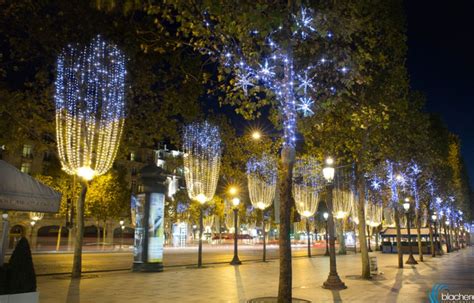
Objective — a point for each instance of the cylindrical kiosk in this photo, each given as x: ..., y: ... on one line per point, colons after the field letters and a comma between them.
x: 149, y: 220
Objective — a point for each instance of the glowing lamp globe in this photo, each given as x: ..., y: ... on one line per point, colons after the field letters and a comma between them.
x: 256, y: 135
x: 433, y: 217
x: 85, y: 173
x: 235, y: 201
x: 406, y: 206
x: 326, y: 216
x: 201, y: 198
x: 328, y: 173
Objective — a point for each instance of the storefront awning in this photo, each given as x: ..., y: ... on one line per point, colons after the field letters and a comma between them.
x: 21, y: 192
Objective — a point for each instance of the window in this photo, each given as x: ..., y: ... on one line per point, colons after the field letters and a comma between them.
x: 132, y: 156
x: 134, y: 186
x: 27, y: 151
x: 26, y: 168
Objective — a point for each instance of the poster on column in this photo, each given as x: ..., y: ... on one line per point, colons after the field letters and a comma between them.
x: 156, y: 237
x: 138, y: 213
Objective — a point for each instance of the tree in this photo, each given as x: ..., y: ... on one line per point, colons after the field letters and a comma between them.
x: 108, y: 198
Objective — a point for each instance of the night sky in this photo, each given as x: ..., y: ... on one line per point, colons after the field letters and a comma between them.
x: 441, y: 64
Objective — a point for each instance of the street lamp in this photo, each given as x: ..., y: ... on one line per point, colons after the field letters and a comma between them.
x: 256, y: 135
x: 333, y: 281
x: 326, y: 215
x: 406, y: 206
x: 235, y: 203
x: 122, y: 227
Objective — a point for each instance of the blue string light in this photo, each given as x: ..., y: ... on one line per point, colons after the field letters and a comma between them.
x: 278, y: 72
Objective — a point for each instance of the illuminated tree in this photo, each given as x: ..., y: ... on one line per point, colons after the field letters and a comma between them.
x: 281, y: 66
x: 262, y: 180
x: 202, y: 160
x: 308, y: 181
x: 90, y: 112
x: 343, y: 200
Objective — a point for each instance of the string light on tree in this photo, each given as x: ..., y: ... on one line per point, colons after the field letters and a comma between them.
x: 262, y: 179
x: 90, y: 108
x: 202, y: 149
x: 307, y: 183
x: 276, y: 70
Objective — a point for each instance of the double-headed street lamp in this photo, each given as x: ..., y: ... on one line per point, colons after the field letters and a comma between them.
x: 333, y: 281
x: 326, y: 215
x: 407, y: 206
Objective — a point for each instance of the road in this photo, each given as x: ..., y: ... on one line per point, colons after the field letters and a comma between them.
x: 53, y: 263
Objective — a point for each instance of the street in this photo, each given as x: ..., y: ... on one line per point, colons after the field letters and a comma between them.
x: 53, y: 263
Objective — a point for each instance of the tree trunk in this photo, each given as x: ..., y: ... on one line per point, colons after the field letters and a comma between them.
x: 98, y: 234
x: 342, y: 240
x: 104, y: 233
x: 432, y: 242
x: 355, y: 238
x: 364, y: 253
x: 58, y: 241
x: 285, y: 179
x: 418, y: 231
x: 77, y: 260
x: 399, y: 238
x: 377, y: 246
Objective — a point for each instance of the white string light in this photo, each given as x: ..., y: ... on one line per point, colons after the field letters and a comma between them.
x: 90, y: 107
x: 202, y: 160
x: 343, y: 193
x: 262, y: 179
x: 308, y: 181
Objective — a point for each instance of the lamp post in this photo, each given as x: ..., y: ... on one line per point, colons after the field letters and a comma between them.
x: 235, y: 203
x: 326, y: 215
x: 406, y: 206
x: 121, y: 233
x: 333, y: 281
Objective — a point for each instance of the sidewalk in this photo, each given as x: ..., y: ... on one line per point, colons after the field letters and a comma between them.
x: 225, y: 283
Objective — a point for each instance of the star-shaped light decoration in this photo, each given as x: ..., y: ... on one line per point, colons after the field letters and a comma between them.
x: 244, y: 81
x: 266, y: 71
x: 305, y: 82
x: 376, y: 183
x: 304, y: 106
x: 304, y: 23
